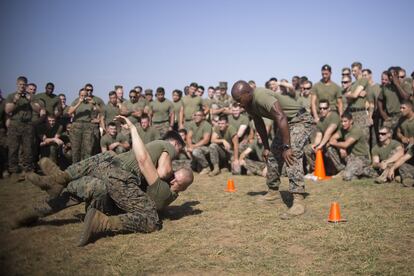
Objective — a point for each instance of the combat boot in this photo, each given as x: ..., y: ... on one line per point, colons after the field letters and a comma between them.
x: 407, y: 182
x: 383, y: 177
x: 97, y: 222
x: 271, y: 195
x: 48, y: 167
x: 52, y: 184
x: 297, y: 209
x: 215, y: 171
x: 205, y: 171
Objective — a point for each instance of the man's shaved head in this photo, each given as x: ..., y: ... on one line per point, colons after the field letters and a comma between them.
x: 242, y: 92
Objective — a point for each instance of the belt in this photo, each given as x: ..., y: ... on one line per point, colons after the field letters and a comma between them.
x: 300, y: 112
x: 355, y: 109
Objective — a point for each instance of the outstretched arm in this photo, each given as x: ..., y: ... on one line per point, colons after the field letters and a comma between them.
x: 141, y: 154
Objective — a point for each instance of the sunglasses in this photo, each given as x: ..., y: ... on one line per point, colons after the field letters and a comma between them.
x: 401, y: 77
x: 382, y: 133
x: 345, y: 82
x: 132, y: 97
x: 307, y: 88
x: 323, y: 108
x: 89, y: 90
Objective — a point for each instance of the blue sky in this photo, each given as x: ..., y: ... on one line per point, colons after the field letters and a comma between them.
x: 172, y: 43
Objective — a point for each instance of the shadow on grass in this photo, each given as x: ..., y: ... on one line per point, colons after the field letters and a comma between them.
x: 178, y: 212
x: 55, y: 222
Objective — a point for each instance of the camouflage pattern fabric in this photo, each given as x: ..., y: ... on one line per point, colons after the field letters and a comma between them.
x: 82, y: 137
x: 20, y: 136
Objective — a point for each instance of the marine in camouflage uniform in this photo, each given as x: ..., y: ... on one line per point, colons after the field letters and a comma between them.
x: 357, y: 159
x: 357, y: 105
x: 82, y: 134
x: 162, y: 112
x: 293, y: 124
x: 20, y: 131
x: 3, y: 137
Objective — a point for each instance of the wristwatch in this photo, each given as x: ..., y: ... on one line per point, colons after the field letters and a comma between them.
x: 285, y: 147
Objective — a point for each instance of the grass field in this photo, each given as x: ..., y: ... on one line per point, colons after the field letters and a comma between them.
x: 209, y: 231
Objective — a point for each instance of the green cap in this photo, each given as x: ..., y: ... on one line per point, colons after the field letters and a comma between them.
x: 148, y: 91
x: 223, y: 84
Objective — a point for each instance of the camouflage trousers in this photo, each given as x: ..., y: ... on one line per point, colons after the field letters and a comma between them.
x: 358, y: 166
x: 360, y: 120
x: 329, y: 154
x: 406, y: 171
x: 82, y: 140
x: 300, y: 131
x: 3, y: 150
x: 181, y: 163
x: 218, y: 154
x: 20, y: 136
x: 162, y: 127
x: 392, y: 122
x: 200, y: 156
x: 138, y: 210
x: 255, y: 167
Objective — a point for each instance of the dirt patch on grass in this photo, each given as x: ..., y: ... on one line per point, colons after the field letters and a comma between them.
x: 209, y: 231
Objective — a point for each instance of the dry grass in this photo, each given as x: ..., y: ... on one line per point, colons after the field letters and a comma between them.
x: 209, y: 231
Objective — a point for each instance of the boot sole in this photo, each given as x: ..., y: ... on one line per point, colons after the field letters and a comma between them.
x: 86, y: 233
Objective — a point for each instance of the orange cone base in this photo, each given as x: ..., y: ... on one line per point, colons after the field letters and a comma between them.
x: 323, y: 178
x: 230, y: 190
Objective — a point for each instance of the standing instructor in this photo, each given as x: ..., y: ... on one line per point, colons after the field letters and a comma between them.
x: 292, y: 127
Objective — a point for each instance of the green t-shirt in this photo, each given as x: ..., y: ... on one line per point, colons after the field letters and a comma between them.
x: 161, y: 194
x: 84, y: 113
x: 110, y: 111
x: 257, y: 150
x: 133, y: 107
x: 289, y: 105
x: 154, y: 148
x: 264, y: 99
x: 330, y: 92
x: 23, y: 111
x: 98, y: 101
x: 237, y: 122
x: 107, y: 139
x: 324, y: 123
x: 407, y: 127
x: 176, y: 107
x: 262, y: 103
x: 384, y: 152
x: 199, y: 130
x: 360, y: 101
x: 373, y: 93
x: 389, y: 96
x: 161, y: 110
x: 224, y: 101
x: 227, y: 135
x: 191, y: 105
x: 50, y: 102
x: 360, y: 146
x: 149, y: 134
x: 305, y: 102
x: 207, y: 102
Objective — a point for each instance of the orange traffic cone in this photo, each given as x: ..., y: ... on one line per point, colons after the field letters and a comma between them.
x: 335, y: 214
x: 230, y: 186
x: 320, y: 167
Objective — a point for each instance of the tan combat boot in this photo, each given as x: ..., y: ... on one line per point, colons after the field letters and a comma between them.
x: 97, y: 222
x: 48, y: 167
x: 297, y: 209
x: 383, y: 177
x: 205, y: 171
x: 52, y: 184
x: 215, y: 171
x: 271, y: 195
